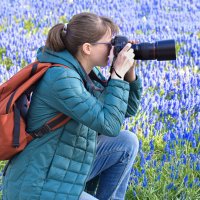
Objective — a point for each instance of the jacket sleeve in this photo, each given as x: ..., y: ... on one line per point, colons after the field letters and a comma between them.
x: 68, y: 95
x: 134, y: 97
x: 134, y: 94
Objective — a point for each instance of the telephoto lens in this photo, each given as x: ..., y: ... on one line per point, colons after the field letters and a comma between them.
x: 160, y: 50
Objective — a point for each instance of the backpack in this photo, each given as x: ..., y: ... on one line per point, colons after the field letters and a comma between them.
x: 15, y: 97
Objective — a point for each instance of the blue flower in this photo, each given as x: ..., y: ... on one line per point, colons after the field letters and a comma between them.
x: 184, y: 159
x: 142, y: 159
x: 136, y: 181
x: 186, y: 180
x: 158, y: 177
x: 198, y: 166
x: 134, y: 193
x: 145, y: 182
x: 164, y: 158
x: 170, y: 186
x: 151, y: 143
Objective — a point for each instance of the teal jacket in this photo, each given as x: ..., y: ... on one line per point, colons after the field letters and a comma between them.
x: 56, y: 166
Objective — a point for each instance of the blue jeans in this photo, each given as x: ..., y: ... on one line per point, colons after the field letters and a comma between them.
x: 113, y: 162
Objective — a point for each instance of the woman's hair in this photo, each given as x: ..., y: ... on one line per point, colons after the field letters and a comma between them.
x: 82, y: 28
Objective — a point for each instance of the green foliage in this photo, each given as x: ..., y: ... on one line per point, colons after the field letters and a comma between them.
x: 46, y: 30
x: 23, y: 63
x: 6, y: 61
x: 16, y: 20
x: 2, y: 51
x: 172, y: 171
x: 4, y: 24
x: 62, y: 19
x: 2, y: 27
x: 139, y: 32
x: 2, y: 164
x: 28, y: 25
x: 178, y: 47
x: 198, y: 35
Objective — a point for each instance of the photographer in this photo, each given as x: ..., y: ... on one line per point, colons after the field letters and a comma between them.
x: 58, y: 165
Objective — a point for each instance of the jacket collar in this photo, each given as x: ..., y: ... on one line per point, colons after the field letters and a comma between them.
x: 65, y: 58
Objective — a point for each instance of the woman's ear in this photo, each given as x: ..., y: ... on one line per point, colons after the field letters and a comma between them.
x: 86, y: 48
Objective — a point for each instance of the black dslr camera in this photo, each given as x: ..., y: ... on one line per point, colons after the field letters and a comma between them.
x: 160, y: 50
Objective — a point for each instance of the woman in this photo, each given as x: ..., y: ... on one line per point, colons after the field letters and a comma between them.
x: 58, y: 165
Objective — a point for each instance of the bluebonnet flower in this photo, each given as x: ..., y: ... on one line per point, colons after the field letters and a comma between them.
x: 167, y: 147
x: 196, y: 181
x: 176, y: 175
x: 151, y: 143
x: 173, y: 85
x: 126, y: 127
x: 146, y: 132
x: 142, y: 159
x: 165, y: 137
x: 172, y: 176
x: 198, y: 166
x: 184, y: 159
x: 143, y: 171
x: 186, y: 180
x: 158, y: 177
x: 134, y: 129
x: 149, y: 156
x: 137, y: 173
x: 154, y: 163
x: 193, y: 157
x: 190, y: 185
x: 164, y: 158
x: 136, y: 181
x: 140, y: 144
x: 182, y: 143
x: 170, y: 186
x: 145, y: 181
x: 172, y: 136
x: 194, y: 144
x: 134, y: 193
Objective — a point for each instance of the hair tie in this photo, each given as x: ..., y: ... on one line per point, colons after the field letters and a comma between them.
x: 65, y: 28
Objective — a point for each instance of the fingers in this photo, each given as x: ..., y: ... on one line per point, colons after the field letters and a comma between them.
x: 125, y: 59
x: 134, y: 41
x: 126, y: 48
x: 130, y: 50
x: 130, y: 57
x: 130, y: 54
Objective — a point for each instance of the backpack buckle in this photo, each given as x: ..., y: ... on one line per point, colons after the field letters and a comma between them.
x: 40, y: 132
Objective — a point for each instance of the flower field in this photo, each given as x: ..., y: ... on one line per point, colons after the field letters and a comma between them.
x: 168, y: 120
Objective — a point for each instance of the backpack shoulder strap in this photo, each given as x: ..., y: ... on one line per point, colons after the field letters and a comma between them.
x: 25, y: 80
x: 51, y: 125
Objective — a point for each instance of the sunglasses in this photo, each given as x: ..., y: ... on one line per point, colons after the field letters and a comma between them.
x: 106, y: 43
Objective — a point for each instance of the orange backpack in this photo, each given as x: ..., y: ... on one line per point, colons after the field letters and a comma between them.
x: 14, y: 103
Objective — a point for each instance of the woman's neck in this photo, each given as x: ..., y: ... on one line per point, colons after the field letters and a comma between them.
x: 84, y: 63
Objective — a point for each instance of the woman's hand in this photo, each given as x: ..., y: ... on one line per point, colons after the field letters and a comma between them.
x: 130, y: 75
x: 123, y: 62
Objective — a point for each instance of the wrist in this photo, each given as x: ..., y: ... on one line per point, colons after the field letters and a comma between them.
x: 115, y: 74
x: 130, y: 78
x: 130, y: 75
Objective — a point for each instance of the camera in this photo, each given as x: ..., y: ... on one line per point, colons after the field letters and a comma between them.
x: 160, y: 50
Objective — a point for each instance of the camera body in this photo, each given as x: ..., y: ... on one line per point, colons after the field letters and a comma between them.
x: 160, y: 50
